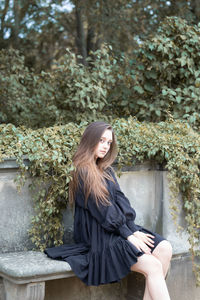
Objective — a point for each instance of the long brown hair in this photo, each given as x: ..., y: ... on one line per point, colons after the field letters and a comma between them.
x: 90, y: 171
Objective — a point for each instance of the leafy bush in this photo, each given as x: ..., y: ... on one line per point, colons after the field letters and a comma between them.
x: 83, y: 89
x: 70, y: 92
x: 163, y: 76
x: 24, y: 95
x: 173, y: 144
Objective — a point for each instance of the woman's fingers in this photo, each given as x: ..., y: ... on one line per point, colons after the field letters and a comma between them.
x: 142, y: 246
x: 139, y: 244
x: 149, y: 241
x: 145, y: 237
x: 146, y: 249
x: 149, y: 235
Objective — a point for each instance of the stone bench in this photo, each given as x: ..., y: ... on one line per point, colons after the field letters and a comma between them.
x: 24, y: 274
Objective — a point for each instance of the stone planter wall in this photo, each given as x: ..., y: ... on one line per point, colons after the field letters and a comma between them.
x: 146, y: 186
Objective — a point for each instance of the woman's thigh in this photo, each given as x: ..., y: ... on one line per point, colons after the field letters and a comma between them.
x: 147, y: 264
x: 163, y: 248
x: 163, y: 252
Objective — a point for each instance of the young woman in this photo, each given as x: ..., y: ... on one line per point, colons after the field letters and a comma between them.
x: 108, y: 244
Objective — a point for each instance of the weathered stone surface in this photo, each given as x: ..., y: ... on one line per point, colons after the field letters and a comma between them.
x: 10, y: 163
x: 179, y: 240
x: 64, y: 289
x: 32, y: 291
x: 135, y: 286
x: 181, y: 282
x: 2, y: 290
x: 17, y: 212
x: 110, y: 291
x: 32, y: 264
x: 75, y: 289
x: 144, y: 190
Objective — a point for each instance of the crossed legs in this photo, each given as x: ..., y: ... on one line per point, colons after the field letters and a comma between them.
x: 154, y: 267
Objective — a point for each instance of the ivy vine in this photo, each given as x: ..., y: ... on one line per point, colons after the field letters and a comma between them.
x: 173, y: 144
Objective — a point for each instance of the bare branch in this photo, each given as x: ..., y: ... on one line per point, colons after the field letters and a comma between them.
x: 80, y: 40
x: 4, y: 12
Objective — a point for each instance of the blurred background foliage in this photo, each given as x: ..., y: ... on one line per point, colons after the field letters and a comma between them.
x: 157, y: 76
x: 42, y: 29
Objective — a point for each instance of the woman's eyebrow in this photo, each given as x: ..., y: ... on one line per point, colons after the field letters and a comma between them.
x: 103, y: 137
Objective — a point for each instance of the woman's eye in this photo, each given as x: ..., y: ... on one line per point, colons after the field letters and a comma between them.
x: 104, y: 141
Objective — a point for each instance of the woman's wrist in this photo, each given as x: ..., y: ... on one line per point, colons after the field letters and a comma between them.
x: 135, y: 232
x: 129, y: 237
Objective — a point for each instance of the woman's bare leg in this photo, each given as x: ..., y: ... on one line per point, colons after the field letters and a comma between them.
x: 152, y: 268
x: 163, y: 252
x: 147, y: 295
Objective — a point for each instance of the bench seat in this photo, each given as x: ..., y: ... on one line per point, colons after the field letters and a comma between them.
x: 24, y: 274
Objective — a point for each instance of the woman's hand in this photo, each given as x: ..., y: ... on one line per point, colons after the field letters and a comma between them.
x: 145, y: 237
x: 139, y: 244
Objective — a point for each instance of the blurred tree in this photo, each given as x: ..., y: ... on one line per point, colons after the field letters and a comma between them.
x: 42, y: 30
x: 72, y: 92
x: 161, y: 78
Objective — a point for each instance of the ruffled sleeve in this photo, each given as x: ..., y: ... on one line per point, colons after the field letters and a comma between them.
x: 125, y: 206
x: 111, y: 218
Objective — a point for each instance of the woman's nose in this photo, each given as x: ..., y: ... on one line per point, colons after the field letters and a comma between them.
x: 105, y: 146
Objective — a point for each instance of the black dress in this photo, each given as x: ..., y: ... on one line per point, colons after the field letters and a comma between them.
x: 101, y: 253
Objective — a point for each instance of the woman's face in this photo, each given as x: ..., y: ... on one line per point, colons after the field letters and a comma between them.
x: 103, y: 146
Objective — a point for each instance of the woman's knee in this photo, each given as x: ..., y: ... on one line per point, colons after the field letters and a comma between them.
x: 147, y: 264
x: 163, y: 249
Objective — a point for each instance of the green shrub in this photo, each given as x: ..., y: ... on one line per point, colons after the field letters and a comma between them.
x: 24, y: 95
x: 163, y: 75
x: 70, y: 92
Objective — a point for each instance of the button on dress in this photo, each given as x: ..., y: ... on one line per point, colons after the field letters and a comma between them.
x: 101, y: 253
